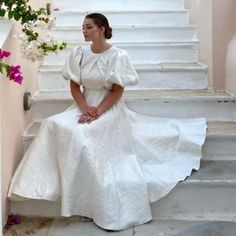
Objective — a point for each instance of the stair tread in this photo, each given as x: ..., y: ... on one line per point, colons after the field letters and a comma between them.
x: 72, y: 44
x: 155, y: 66
x: 210, y: 170
x: 64, y: 28
x: 138, y: 94
x: 123, y: 11
x: 214, y: 128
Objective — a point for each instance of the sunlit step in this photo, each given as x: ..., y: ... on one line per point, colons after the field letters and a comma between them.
x: 132, y: 17
x: 214, y: 106
x: 102, y: 5
x: 142, y: 53
x: 152, y: 76
x: 219, y: 144
x: 208, y: 194
x: 134, y: 34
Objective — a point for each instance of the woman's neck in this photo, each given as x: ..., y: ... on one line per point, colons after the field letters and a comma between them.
x: 100, y: 46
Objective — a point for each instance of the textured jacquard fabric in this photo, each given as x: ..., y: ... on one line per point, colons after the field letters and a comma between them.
x: 111, y: 169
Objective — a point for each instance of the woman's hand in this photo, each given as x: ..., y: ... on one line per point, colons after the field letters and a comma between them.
x: 86, y: 119
x: 92, y: 111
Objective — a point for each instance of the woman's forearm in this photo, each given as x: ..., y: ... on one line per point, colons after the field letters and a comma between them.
x: 78, y: 96
x: 110, y: 99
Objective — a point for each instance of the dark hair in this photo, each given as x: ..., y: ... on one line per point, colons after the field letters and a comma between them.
x: 100, y: 20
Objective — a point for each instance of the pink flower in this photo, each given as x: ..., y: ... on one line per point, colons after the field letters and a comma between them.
x: 15, y: 69
x: 4, y: 53
x: 56, y: 9
x: 19, y: 79
x: 13, y: 219
x: 15, y: 74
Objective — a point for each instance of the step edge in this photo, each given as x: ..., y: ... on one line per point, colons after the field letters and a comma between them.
x: 125, y: 11
x: 117, y: 27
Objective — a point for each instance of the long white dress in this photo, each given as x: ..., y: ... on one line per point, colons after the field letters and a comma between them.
x: 111, y: 169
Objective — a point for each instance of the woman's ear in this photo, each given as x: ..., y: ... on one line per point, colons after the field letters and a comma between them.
x: 102, y: 29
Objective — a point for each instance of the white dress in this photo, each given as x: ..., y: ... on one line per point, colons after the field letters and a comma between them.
x: 111, y: 169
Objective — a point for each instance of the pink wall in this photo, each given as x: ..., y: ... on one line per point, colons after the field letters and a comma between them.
x: 224, y: 19
x: 215, y: 21
x: 14, y: 118
x: 230, y: 70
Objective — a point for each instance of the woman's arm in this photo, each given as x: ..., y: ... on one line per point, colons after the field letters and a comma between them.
x: 80, y: 100
x: 114, y: 95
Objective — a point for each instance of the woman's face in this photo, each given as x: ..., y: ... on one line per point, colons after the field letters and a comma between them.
x: 91, y: 31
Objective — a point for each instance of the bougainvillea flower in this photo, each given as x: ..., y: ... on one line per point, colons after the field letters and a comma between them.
x: 18, y: 79
x: 15, y: 69
x: 15, y: 74
x: 4, y: 53
x: 13, y: 219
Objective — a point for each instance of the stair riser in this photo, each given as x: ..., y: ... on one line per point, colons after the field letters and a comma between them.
x: 179, y: 108
x: 220, y: 147
x: 128, y: 18
x: 190, y: 201
x: 198, y: 201
x: 143, y: 54
x: 216, y: 147
x: 97, y: 6
x: 132, y: 34
x: 53, y: 81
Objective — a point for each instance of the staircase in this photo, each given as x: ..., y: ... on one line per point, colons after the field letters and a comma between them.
x: 164, y: 50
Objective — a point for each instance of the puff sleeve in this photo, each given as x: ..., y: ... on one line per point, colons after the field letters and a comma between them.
x: 71, y: 69
x: 120, y: 70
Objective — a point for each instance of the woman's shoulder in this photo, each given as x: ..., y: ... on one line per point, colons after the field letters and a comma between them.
x: 119, y: 52
x: 77, y: 51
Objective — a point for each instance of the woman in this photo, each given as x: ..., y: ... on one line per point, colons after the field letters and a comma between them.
x: 98, y: 158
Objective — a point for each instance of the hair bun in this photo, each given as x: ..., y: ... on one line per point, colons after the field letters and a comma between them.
x: 108, y: 32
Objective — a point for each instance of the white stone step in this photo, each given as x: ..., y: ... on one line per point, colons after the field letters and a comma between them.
x: 208, y: 194
x: 219, y: 144
x: 75, y: 226
x: 215, y: 106
x: 152, y: 76
x: 101, y: 5
x: 142, y: 52
x: 220, y: 141
x: 136, y: 34
x: 124, y: 17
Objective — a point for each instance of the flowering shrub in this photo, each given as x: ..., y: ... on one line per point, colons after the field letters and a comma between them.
x: 12, y: 219
x: 36, y: 42
x: 13, y: 72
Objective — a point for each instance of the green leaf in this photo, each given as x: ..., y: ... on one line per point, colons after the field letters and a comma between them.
x: 17, y: 16
x: 7, y: 70
x: 1, y: 67
x: 10, y: 14
x: 2, y: 12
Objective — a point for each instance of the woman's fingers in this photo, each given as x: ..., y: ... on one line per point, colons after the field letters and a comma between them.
x: 83, y: 119
x: 86, y: 119
x: 90, y: 120
x: 92, y: 111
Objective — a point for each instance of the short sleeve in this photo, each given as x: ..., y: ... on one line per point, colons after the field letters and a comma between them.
x: 71, y: 69
x: 120, y: 70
